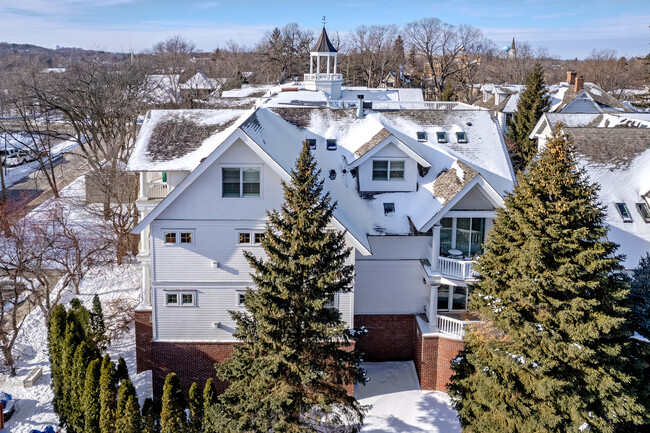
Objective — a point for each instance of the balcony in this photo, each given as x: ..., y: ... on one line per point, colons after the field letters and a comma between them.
x: 156, y: 190
x: 153, y: 186
x: 450, y: 323
x: 323, y: 77
x: 456, y: 268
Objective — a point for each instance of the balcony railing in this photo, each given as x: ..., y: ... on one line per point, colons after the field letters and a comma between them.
x: 157, y: 190
x: 456, y: 268
x: 324, y: 77
x: 449, y: 325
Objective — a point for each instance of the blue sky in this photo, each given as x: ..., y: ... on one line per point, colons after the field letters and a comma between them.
x: 567, y: 28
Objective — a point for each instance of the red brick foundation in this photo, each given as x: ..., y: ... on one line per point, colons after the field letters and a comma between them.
x: 433, y: 355
x: 389, y: 337
x: 143, y: 339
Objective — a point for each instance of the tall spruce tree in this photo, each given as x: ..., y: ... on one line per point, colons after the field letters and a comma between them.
x: 107, y: 396
x: 91, y: 397
x: 295, y: 360
x: 553, y: 351
x: 172, y: 414
x: 195, y: 406
x: 640, y: 297
x: 532, y: 103
x: 127, y: 413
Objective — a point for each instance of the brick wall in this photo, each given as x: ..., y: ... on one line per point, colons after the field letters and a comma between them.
x: 143, y: 338
x: 447, y: 350
x: 432, y: 360
x: 390, y: 337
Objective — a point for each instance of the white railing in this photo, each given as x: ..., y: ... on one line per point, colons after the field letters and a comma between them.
x: 449, y: 325
x: 324, y: 77
x: 456, y: 268
x: 421, y: 105
x: 157, y: 190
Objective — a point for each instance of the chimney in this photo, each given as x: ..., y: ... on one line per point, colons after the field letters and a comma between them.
x: 360, y: 107
x: 571, y: 77
x: 580, y: 83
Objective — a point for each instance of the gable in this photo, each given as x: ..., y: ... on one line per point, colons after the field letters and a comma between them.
x: 474, y: 199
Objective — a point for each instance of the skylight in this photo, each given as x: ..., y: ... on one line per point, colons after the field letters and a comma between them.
x: 331, y: 144
x: 461, y: 137
x: 389, y: 208
x: 644, y: 211
x: 624, y: 212
x: 312, y: 143
x: 422, y: 136
x: 441, y: 136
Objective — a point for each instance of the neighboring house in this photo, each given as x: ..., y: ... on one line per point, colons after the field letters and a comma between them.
x: 613, y: 150
x: 572, y: 96
x: 416, y: 190
x: 162, y: 89
x: 389, y: 80
x: 200, y: 87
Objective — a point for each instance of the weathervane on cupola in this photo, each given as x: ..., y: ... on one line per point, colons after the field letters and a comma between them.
x: 322, y: 58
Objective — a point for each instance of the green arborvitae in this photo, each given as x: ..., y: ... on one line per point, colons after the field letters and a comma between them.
x: 97, y: 326
x: 56, y: 324
x: 107, y: 396
x: 195, y: 405
x: 640, y: 298
x: 150, y: 417
x: 73, y: 337
x: 122, y: 370
x: 209, y: 400
x: 91, y: 397
x: 128, y: 410
x: 553, y: 351
x: 172, y: 414
x: 295, y: 358
x: 82, y: 357
x: 532, y: 103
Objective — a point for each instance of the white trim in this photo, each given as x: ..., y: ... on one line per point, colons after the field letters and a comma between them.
x: 179, y: 297
x: 178, y: 233
x: 242, y: 167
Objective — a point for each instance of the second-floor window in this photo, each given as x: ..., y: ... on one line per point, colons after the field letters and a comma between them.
x: 240, y: 182
x: 463, y: 234
x: 387, y: 170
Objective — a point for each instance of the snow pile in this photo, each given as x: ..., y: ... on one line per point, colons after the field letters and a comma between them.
x: 398, y: 405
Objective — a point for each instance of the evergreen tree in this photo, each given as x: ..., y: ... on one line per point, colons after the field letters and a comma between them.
x: 73, y: 337
x: 172, y: 414
x: 128, y: 410
x: 122, y: 370
x: 448, y: 94
x: 107, y: 396
x: 56, y: 325
x: 195, y: 405
x: 91, y: 397
x: 97, y: 326
x: 640, y: 298
x: 553, y: 351
x: 532, y: 103
x: 150, y: 417
x: 209, y: 400
x: 295, y: 359
x: 82, y: 357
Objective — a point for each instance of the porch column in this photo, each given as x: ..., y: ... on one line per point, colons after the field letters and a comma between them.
x: 146, y: 285
x: 433, y: 308
x: 335, y: 64
x: 318, y: 64
x: 143, y: 185
x: 435, y: 248
x: 311, y: 64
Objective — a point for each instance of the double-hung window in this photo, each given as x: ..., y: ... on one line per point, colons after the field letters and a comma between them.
x: 183, y: 299
x: 387, y: 170
x: 175, y: 237
x: 250, y: 237
x: 240, y: 182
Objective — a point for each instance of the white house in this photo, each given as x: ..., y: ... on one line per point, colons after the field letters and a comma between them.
x: 416, y: 190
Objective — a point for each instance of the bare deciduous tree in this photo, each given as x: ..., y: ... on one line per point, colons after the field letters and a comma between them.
x: 371, y: 53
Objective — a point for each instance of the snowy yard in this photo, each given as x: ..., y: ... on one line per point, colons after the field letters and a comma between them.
x: 398, y: 405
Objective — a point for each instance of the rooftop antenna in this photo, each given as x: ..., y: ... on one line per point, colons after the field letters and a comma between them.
x: 324, y: 21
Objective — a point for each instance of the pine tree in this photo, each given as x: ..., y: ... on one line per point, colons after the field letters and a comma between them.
x: 91, y: 397
x: 195, y: 405
x: 640, y: 298
x: 532, y: 103
x: 122, y: 370
x: 128, y: 410
x: 97, y: 325
x: 295, y: 358
x: 172, y: 414
x: 553, y: 351
x: 209, y: 400
x: 107, y: 396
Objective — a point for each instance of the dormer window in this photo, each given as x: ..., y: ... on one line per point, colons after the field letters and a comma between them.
x: 389, y: 208
x: 331, y: 144
x: 624, y: 212
x: 387, y: 170
x: 461, y: 137
x: 644, y: 211
x: 422, y: 136
x: 312, y: 143
x: 442, y: 137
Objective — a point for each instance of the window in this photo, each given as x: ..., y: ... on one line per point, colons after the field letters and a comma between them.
x: 331, y: 302
x: 387, y: 170
x: 186, y: 237
x: 312, y: 143
x: 240, y: 182
x: 441, y: 136
x: 461, y: 137
x: 185, y: 299
x: 172, y: 299
x: 258, y: 238
x: 644, y: 211
x: 422, y: 136
x: 452, y: 298
x: 464, y: 234
x: 240, y: 299
x: 389, y: 208
x: 244, y: 238
x: 250, y: 237
x: 331, y: 144
x: 624, y: 212
x: 170, y: 237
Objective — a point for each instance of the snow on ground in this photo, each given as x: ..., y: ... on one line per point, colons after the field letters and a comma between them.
x: 111, y: 282
x: 398, y: 405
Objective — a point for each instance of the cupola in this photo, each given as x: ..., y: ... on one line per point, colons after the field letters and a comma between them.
x: 322, y: 68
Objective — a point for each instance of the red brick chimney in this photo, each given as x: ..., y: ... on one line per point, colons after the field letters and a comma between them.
x: 571, y: 77
x: 580, y: 83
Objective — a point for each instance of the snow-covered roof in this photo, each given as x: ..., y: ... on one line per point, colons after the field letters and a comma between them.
x: 247, y: 91
x: 199, y: 81
x: 162, y: 88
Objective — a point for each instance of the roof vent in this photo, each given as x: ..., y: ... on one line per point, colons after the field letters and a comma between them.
x: 332, y: 174
x: 469, y: 124
x: 360, y: 107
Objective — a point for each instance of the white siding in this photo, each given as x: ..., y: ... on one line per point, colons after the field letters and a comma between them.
x: 474, y: 199
x: 581, y: 105
x: 389, y: 152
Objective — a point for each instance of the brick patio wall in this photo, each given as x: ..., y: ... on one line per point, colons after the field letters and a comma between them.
x: 390, y: 337
x: 143, y: 338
